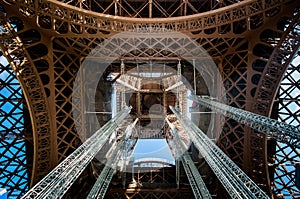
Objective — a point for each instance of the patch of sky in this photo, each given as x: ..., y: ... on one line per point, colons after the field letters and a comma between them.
x: 14, y: 174
x: 153, y: 149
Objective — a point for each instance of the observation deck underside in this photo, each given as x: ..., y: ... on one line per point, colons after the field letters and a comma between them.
x: 149, y: 55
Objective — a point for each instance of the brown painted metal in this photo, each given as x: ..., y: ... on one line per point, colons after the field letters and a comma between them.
x: 236, y: 36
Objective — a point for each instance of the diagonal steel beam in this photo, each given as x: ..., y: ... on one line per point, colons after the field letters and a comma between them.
x: 234, y: 180
x: 278, y: 130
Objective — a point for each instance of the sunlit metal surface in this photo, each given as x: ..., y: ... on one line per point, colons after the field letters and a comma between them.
x: 196, y: 182
x: 281, y: 131
x: 236, y: 182
x: 101, y: 185
x: 59, y: 180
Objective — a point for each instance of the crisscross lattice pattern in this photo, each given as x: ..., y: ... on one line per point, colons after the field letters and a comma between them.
x: 289, y: 110
x: 13, y: 162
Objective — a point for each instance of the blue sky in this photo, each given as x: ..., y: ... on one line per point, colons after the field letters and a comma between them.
x: 14, y: 176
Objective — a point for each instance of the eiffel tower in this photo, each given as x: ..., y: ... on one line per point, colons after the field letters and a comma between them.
x: 150, y: 99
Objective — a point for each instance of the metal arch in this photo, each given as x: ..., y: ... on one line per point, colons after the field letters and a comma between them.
x: 272, y: 75
x: 125, y: 8
x: 287, y: 157
x: 76, y: 35
x: 277, y: 64
x: 34, y: 95
x: 61, y: 13
x: 14, y: 134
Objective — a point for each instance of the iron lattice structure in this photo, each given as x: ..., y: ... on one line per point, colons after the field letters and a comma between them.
x: 252, y: 42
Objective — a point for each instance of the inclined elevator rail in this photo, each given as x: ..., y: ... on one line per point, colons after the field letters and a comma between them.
x: 278, y: 130
x: 196, y: 182
x: 100, y: 187
x: 60, y: 179
x: 235, y: 181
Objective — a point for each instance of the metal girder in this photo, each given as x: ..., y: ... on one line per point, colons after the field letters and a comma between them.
x: 56, y: 15
x: 278, y: 130
x: 235, y: 181
x: 59, y: 180
x: 100, y: 187
x: 277, y: 63
x: 196, y: 182
x: 21, y: 63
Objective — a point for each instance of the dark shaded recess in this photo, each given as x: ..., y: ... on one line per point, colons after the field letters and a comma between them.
x: 47, y: 91
x: 3, y: 10
x: 61, y: 26
x: 283, y: 23
x: 30, y: 36
x: 255, y: 79
x: 244, y: 46
x: 196, y: 32
x: 253, y: 91
x: 256, y: 21
x: 222, y: 46
x: 240, y: 26
x: 104, y: 32
x: 262, y: 50
x: 92, y: 30
x: 17, y: 23
x: 270, y: 36
x: 41, y: 65
x: 77, y: 29
x: 44, y: 21
x: 241, y: 84
x: 37, y: 51
x: 103, y: 98
x: 45, y: 79
x: 224, y: 29
x: 273, y: 12
x: 259, y: 65
x: 234, y: 92
x: 210, y: 31
x: 241, y: 100
x: 59, y: 44
x: 234, y: 76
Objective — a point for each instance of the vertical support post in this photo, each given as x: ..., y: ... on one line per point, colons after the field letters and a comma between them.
x: 138, y: 104
x: 185, y: 7
x: 82, y: 104
x: 195, y: 83
x: 150, y: 8
x: 165, y: 102
x: 178, y: 79
x: 116, y: 7
x: 123, y: 87
x: 177, y: 164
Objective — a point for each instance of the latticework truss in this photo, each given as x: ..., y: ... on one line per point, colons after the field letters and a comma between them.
x: 251, y: 42
x: 287, y: 157
x: 16, y: 138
